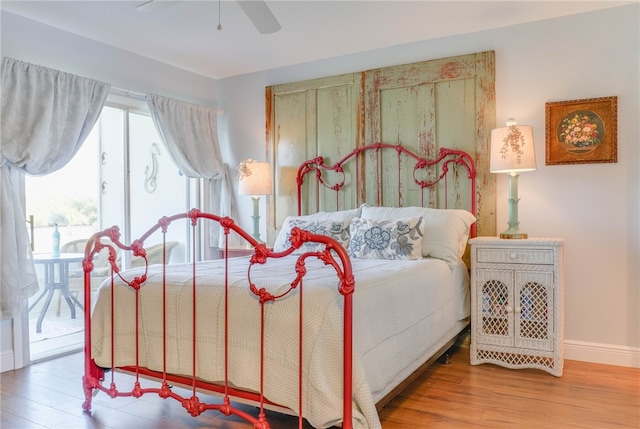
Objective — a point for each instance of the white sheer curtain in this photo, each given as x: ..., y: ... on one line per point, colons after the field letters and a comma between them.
x: 46, y: 116
x: 190, y: 133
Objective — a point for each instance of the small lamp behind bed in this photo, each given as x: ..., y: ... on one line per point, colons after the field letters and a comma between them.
x: 512, y: 151
x: 255, y: 180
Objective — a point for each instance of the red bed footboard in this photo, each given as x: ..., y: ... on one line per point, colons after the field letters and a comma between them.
x: 96, y: 378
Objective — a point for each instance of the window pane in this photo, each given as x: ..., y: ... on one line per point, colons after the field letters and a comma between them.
x: 157, y: 186
x: 67, y: 197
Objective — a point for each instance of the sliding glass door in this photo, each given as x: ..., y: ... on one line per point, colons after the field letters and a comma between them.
x: 66, y: 202
x: 121, y: 176
x: 138, y: 181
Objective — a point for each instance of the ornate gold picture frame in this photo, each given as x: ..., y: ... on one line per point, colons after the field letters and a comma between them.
x: 582, y: 131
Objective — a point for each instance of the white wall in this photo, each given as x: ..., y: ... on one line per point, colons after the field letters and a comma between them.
x: 596, y: 208
x: 31, y: 41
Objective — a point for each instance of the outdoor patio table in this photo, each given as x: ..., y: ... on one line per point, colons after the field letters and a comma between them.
x: 51, y: 283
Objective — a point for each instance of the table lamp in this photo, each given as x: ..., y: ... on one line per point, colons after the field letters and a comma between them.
x: 512, y: 151
x: 255, y: 180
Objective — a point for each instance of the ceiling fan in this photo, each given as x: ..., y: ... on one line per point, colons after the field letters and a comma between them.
x: 256, y: 10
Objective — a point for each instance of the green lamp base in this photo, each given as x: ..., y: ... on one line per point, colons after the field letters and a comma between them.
x: 513, y: 232
x: 256, y: 220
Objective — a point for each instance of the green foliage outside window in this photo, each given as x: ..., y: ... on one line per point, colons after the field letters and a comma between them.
x: 66, y: 211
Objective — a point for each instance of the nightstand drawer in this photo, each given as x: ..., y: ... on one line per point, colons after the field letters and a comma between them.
x: 515, y: 256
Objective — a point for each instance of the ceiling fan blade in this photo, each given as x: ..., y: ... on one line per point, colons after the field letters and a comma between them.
x: 261, y: 16
x: 155, y: 5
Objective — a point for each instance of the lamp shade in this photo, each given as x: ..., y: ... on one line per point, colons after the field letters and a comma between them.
x: 255, y: 178
x: 512, y: 149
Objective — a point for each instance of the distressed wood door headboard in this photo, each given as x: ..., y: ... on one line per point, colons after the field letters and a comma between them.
x: 422, y: 106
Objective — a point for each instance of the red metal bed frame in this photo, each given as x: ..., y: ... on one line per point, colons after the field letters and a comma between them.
x: 333, y: 255
x: 445, y: 158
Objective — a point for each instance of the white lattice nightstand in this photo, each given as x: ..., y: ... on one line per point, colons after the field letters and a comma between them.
x: 517, y: 303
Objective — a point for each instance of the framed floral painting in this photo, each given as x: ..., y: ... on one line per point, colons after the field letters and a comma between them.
x: 582, y: 131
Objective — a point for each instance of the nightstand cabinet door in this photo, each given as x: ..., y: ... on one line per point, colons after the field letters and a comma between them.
x: 517, y: 293
x: 534, y: 298
x: 494, y: 307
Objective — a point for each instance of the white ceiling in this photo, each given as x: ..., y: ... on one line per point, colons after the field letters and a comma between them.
x: 185, y: 35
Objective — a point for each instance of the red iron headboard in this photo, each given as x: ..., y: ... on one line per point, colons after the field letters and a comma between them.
x: 368, y: 163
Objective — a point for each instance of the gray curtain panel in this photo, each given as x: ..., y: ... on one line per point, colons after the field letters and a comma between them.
x: 46, y: 116
x: 190, y: 134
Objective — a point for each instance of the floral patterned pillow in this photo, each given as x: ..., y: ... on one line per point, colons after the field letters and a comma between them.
x: 386, y: 238
x: 336, y: 229
x: 446, y: 231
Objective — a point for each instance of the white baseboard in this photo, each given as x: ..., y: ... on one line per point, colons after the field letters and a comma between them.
x: 7, y: 361
x: 573, y: 350
x: 607, y: 354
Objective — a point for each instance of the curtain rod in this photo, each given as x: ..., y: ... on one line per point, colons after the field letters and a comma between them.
x: 130, y: 94
x: 143, y: 97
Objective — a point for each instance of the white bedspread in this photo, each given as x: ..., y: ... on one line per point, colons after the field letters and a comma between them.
x: 401, y: 309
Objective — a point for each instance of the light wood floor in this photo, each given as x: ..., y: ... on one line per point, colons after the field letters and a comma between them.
x: 454, y: 395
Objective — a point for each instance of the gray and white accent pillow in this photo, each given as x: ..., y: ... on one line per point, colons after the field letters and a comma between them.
x: 446, y: 231
x: 386, y: 238
x: 336, y: 229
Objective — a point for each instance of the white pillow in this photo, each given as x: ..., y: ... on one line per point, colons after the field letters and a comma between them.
x: 333, y: 224
x: 386, y: 239
x: 446, y: 231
